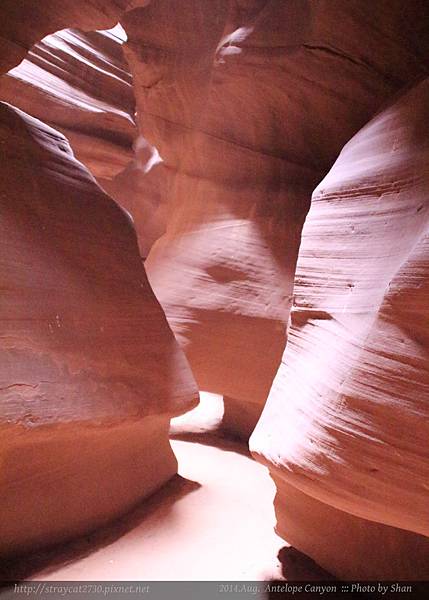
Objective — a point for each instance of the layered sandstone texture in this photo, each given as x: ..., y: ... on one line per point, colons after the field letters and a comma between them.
x: 346, y: 427
x: 249, y: 104
x: 79, y: 83
x: 90, y: 373
x: 25, y: 22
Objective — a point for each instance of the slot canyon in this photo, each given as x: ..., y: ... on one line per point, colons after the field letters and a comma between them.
x: 214, y: 309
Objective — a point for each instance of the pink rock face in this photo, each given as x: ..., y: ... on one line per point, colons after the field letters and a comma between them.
x: 243, y: 107
x: 79, y: 83
x: 249, y: 104
x: 90, y: 373
x: 25, y: 22
x: 347, y: 419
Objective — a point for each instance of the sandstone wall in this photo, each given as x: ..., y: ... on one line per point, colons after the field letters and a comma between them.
x: 79, y: 83
x: 90, y: 373
x: 25, y: 22
x: 249, y: 104
x: 346, y: 422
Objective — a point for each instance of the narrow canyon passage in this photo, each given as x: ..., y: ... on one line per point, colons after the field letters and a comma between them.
x: 200, y: 526
x: 219, y: 195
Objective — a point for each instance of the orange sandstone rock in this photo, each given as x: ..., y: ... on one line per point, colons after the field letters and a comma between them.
x: 90, y: 373
x: 25, y: 22
x: 249, y: 103
x: 347, y: 419
x: 141, y: 188
x: 79, y: 83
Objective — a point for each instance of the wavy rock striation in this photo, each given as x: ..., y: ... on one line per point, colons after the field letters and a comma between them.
x: 346, y: 425
x: 249, y: 104
x: 79, y: 83
x: 25, y: 22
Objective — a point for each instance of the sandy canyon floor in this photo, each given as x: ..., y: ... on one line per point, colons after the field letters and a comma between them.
x: 213, y: 521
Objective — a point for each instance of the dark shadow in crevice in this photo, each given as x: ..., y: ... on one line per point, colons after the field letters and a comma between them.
x: 297, y: 566
x: 48, y: 560
x: 299, y: 569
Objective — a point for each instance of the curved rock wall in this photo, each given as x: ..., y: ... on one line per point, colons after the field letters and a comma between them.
x: 245, y: 105
x: 141, y: 188
x: 249, y: 104
x: 347, y: 419
x: 79, y: 84
x: 25, y: 22
x: 90, y: 373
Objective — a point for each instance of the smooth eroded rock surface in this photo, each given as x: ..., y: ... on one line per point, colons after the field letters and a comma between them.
x: 345, y: 544
x: 141, y: 188
x: 90, y: 373
x: 248, y: 104
x: 347, y: 419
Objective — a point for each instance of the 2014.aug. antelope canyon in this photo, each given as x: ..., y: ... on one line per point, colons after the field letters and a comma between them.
x: 214, y: 309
